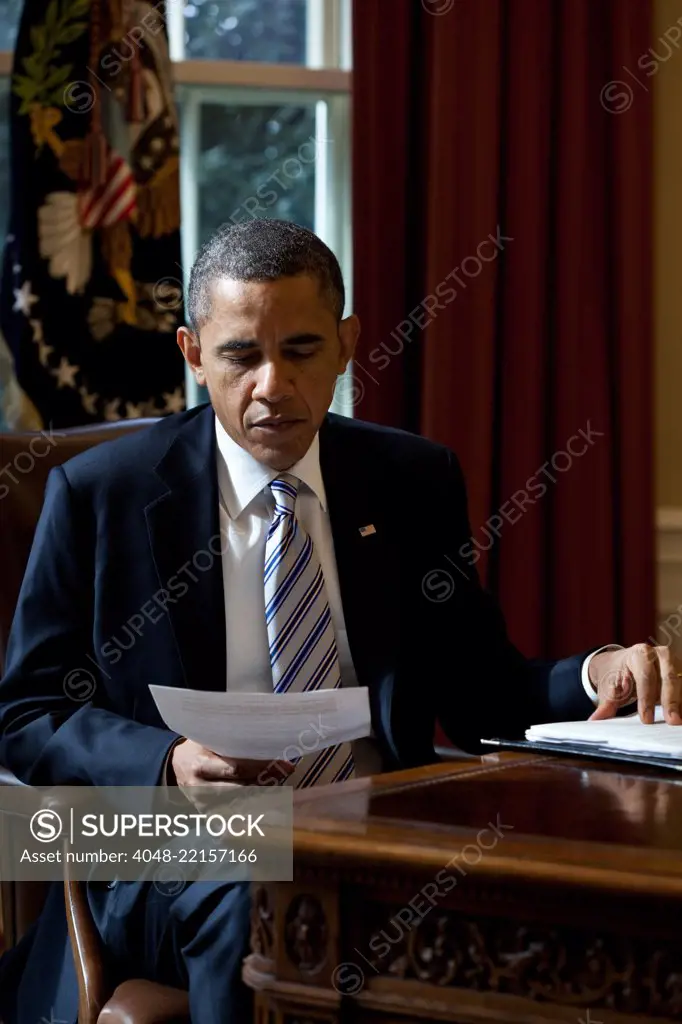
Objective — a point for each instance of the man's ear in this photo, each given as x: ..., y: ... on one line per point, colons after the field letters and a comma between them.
x: 190, y: 346
x: 349, y: 332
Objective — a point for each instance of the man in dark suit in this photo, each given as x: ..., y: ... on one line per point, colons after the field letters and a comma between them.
x: 257, y: 544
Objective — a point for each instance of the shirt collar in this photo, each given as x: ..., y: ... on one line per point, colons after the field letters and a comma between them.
x: 242, y: 478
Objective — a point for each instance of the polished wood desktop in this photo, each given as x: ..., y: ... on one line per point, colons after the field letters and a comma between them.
x: 503, y: 888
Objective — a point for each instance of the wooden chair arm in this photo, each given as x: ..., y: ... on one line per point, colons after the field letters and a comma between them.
x: 93, y: 987
x: 146, y: 1002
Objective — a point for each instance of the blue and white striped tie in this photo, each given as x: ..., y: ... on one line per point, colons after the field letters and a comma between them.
x: 303, y: 650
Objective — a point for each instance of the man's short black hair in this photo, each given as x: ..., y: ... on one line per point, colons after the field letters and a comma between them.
x: 262, y: 250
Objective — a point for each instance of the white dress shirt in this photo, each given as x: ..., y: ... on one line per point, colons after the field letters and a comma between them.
x: 246, y: 510
x: 585, y: 676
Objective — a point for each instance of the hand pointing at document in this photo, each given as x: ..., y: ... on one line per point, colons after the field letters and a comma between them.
x: 645, y: 674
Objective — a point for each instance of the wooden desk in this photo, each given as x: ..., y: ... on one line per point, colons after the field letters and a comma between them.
x: 506, y: 888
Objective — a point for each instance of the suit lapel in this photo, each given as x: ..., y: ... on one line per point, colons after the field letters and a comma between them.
x: 184, y: 532
x: 366, y: 565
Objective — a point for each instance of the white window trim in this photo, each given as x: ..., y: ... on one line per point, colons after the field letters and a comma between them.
x: 250, y: 74
x: 245, y: 74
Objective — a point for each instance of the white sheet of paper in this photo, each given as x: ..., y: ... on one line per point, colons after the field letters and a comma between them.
x: 263, y: 726
x: 622, y: 734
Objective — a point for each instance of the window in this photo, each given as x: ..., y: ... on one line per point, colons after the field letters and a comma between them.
x: 263, y: 92
x: 270, y: 31
x: 10, y: 10
x: 263, y: 88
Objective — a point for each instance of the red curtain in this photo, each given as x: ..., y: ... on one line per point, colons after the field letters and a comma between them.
x: 526, y: 123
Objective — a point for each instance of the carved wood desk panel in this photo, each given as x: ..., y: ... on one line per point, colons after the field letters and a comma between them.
x: 505, y: 888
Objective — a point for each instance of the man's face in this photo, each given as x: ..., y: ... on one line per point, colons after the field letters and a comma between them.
x: 269, y: 355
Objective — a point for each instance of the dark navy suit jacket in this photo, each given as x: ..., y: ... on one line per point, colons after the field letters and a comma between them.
x: 124, y: 588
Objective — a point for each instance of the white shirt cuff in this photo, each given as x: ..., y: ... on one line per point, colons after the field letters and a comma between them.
x: 585, y: 671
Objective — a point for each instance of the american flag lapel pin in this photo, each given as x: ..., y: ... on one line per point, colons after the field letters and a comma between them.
x: 367, y: 531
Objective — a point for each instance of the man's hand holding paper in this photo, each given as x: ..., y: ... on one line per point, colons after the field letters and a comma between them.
x: 192, y: 764
x: 220, y: 730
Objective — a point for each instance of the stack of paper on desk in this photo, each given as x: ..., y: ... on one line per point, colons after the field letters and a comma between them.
x: 264, y: 726
x: 626, y: 735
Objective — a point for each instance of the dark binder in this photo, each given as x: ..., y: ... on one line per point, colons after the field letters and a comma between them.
x: 587, y: 751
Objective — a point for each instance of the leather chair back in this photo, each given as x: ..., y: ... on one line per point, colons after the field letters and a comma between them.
x: 25, y: 461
